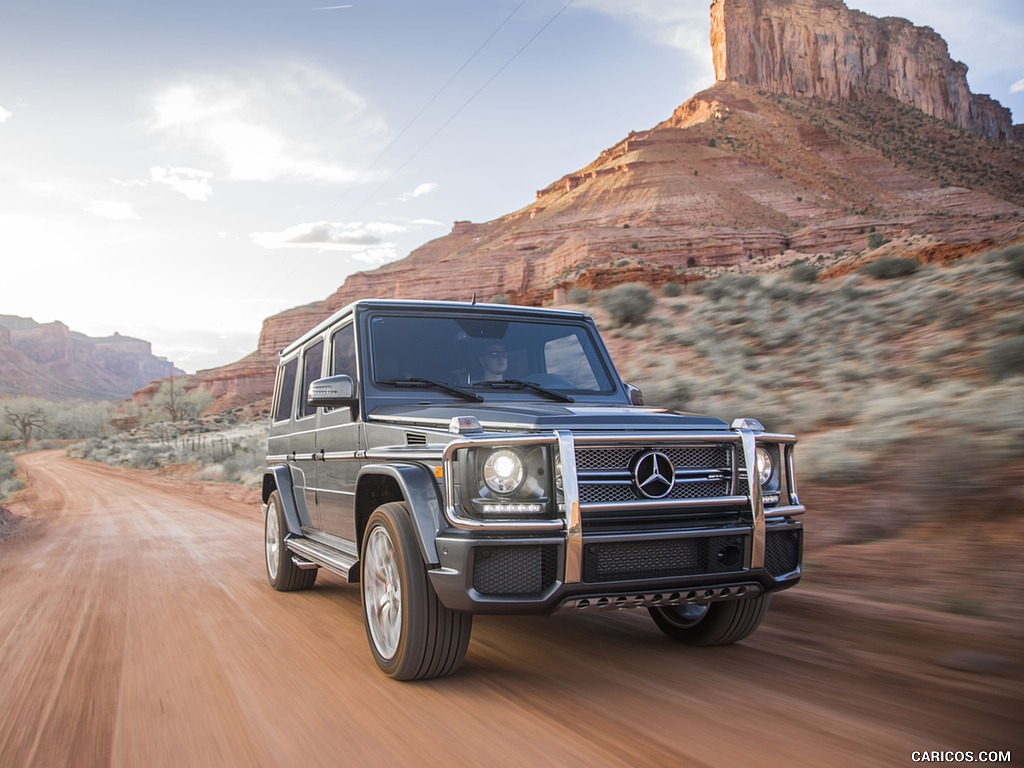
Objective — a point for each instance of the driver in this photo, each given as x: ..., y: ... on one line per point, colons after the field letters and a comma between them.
x: 494, y: 361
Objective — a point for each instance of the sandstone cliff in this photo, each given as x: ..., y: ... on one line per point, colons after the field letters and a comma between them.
x: 822, y: 49
x: 52, y: 361
x: 741, y: 176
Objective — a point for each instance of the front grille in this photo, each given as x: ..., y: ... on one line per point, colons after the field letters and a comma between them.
x: 520, y: 571
x: 782, y: 552
x: 606, y: 474
x: 662, y: 558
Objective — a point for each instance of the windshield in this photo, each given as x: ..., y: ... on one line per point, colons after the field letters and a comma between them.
x: 486, y: 355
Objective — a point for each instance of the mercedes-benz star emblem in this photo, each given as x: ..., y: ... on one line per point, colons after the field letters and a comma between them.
x: 654, y: 475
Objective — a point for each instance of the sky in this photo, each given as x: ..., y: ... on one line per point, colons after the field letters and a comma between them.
x: 179, y: 172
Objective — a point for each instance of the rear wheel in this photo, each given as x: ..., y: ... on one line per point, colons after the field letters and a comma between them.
x: 282, y: 573
x: 712, y: 624
x: 412, y: 634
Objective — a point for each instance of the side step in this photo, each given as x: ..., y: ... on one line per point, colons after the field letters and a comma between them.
x: 311, y: 553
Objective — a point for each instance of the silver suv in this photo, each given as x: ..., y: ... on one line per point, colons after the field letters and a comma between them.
x: 457, y: 459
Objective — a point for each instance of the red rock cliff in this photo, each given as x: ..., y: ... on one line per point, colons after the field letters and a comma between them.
x: 822, y: 49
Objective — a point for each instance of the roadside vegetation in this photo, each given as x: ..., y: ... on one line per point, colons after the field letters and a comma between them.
x: 862, y: 367
x: 220, y: 448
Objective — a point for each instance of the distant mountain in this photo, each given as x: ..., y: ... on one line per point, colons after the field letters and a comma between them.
x: 828, y: 132
x: 51, y: 361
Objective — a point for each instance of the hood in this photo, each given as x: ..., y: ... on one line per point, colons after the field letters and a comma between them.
x: 543, y: 417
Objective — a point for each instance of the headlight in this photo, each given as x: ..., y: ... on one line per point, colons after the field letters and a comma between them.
x: 765, y: 465
x: 504, y: 471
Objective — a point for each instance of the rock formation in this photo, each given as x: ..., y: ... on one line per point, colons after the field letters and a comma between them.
x: 822, y: 49
x: 742, y: 175
x: 52, y: 361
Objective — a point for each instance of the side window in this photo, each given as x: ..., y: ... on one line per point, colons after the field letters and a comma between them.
x: 344, y: 360
x: 314, y: 358
x: 286, y: 391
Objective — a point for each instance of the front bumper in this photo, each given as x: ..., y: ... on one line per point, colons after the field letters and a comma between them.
x: 503, y: 574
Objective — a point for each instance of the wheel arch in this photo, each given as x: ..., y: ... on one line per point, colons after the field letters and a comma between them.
x: 411, y: 483
x: 279, y: 479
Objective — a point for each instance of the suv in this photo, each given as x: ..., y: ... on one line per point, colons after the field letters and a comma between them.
x: 460, y: 458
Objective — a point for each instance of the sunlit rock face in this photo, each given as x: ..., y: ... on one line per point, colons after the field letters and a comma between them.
x: 822, y: 49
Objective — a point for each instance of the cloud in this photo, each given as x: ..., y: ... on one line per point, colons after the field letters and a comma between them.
x: 193, y: 184
x: 422, y: 189
x: 111, y: 209
x: 353, y: 237
x: 1017, y: 87
x: 281, y: 121
x: 4, y: 114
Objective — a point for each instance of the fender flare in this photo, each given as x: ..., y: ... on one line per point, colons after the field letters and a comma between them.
x: 420, y: 492
x: 278, y: 477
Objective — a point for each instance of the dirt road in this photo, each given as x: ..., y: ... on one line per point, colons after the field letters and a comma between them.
x: 137, y: 629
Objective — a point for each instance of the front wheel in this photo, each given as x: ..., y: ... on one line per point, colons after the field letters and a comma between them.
x: 712, y: 624
x: 412, y: 634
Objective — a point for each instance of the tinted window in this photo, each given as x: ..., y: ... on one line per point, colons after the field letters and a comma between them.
x: 344, y: 352
x: 310, y: 372
x: 286, y: 391
x: 456, y: 350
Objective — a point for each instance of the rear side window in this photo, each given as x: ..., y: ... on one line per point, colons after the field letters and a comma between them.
x: 286, y: 391
x: 310, y: 373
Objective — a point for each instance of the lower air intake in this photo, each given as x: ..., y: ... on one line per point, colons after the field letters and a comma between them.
x: 514, y: 571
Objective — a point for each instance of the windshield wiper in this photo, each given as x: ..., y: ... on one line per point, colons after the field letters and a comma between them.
x: 421, y: 383
x: 520, y: 384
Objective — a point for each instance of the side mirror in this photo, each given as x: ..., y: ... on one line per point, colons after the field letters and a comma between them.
x: 636, y: 397
x: 332, y: 392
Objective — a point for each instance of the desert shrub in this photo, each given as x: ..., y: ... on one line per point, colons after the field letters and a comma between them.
x: 728, y: 286
x: 802, y: 272
x: 1006, y: 358
x: 8, y: 482
x: 501, y: 298
x: 628, y: 304
x: 889, y: 267
x: 671, y: 289
x: 579, y: 295
x: 876, y: 240
x: 1014, y: 257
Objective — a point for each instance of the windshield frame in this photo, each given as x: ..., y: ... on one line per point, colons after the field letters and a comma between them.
x: 415, y: 329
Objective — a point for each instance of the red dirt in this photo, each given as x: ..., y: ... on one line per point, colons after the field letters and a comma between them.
x: 137, y: 629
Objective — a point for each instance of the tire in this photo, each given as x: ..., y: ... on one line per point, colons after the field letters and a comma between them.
x: 282, y: 573
x: 412, y: 635
x: 715, y: 624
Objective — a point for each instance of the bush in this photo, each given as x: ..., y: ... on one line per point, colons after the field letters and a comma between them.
x: 8, y: 482
x: 1014, y: 257
x: 671, y: 290
x: 876, y: 240
x: 1006, y: 358
x: 802, y: 272
x: 628, y: 304
x: 578, y: 295
x: 889, y: 267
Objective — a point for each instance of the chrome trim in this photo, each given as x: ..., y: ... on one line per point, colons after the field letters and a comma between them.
x: 571, y: 508
x: 791, y: 475
x: 470, y: 524
x: 715, y: 501
x: 757, y: 541
x: 689, y: 596
x: 787, y: 511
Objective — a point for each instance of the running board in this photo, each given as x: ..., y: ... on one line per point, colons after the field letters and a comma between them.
x: 313, y: 553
